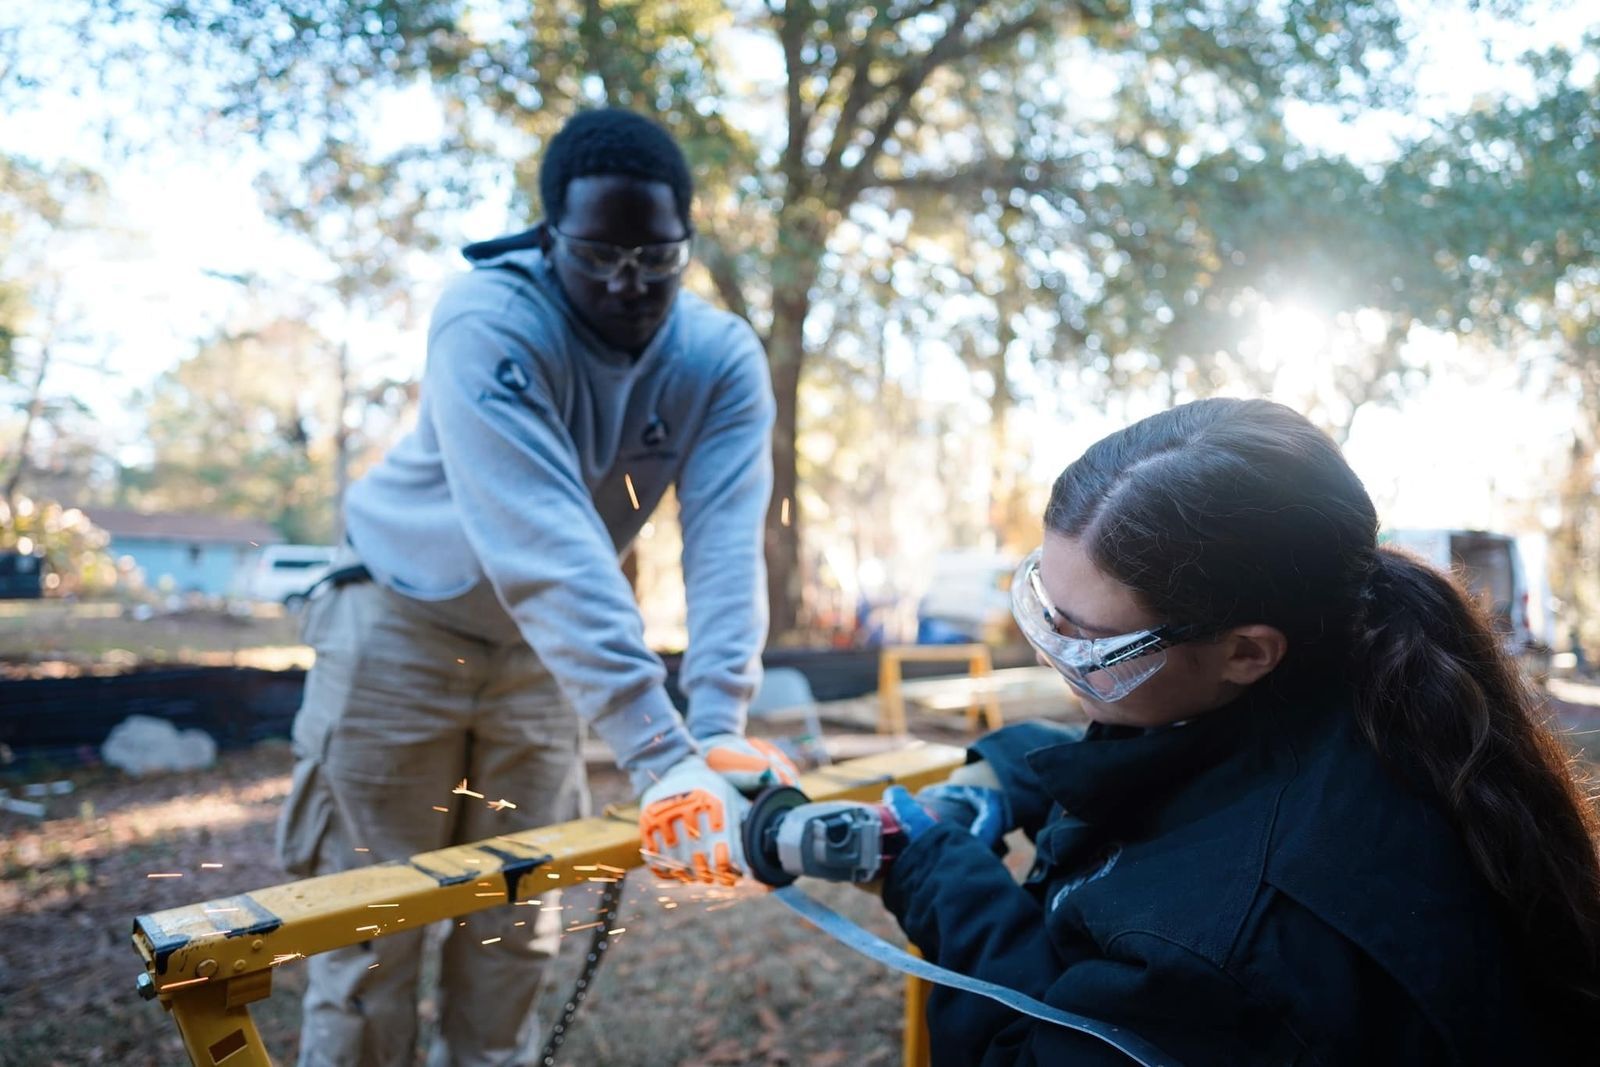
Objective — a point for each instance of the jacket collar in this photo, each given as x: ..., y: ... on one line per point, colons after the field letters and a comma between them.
x: 1117, y: 774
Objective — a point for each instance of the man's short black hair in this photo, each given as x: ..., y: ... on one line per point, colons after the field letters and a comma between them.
x: 612, y: 141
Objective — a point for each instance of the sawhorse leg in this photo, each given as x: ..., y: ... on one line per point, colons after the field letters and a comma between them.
x: 217, y: 1029
x: 915, y: 1050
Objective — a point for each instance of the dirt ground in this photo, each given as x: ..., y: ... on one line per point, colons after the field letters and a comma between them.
x: 708, y: 980
x: 57, y: 638
x: 705, y: 981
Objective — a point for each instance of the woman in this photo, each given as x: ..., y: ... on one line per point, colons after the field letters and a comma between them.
x: 1315, y: 820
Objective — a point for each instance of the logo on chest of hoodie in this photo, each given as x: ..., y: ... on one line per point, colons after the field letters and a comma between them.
x: 653, y: 441
x: 655, y: 433
x: 511, y: 375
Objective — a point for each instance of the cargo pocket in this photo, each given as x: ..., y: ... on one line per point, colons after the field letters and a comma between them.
x: 304, y: 821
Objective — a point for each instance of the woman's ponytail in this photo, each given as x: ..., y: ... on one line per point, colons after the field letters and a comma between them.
x: 1442, y: 701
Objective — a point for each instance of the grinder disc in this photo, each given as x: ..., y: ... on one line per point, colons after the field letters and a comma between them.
x: 760, y: 832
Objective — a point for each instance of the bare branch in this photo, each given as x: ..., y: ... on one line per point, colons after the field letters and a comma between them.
x: 856, y: 98
x: 719, y: 264
x: 991, y: 173
x: 949, y: 48
x: 791, y: 33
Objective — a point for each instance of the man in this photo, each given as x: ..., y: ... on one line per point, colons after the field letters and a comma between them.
x: 483, y: 616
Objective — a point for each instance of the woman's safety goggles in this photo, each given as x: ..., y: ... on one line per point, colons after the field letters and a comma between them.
x: 603, y: 261
x: 1104, y: 668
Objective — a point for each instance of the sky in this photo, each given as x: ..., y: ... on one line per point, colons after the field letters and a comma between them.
x: 194, y: 215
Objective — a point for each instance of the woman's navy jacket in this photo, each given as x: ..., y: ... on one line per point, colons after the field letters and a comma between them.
x: 1252, y: 887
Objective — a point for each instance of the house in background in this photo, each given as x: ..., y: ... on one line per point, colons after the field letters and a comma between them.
x: 186, y: 553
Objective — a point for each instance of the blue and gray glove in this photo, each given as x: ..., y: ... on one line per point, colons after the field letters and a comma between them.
x: 983, y: 812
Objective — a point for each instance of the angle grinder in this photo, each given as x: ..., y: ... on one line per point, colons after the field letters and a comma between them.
x: 786, y: 835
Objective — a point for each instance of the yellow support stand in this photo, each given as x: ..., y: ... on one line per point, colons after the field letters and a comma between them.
x: 892, y: 703
x: 208, y: 962
x: 916, y: 1049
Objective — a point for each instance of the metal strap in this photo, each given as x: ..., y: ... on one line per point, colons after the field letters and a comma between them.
x: 874, y: 947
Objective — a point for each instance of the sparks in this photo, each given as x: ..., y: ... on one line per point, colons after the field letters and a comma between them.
x: 209, y: 866
x: 285, y: 957
x: 464, y: 791
x: 783, y: 512
x: 363, y: 850
x: 167, y: 875
x: 180, y: 985
x: 486, y: 894
x: 501, y: 805
x: 383, y: 905
x: 373, y: 967
x: 627, y: 480
x: 364, y: 929
x: 608, y: 867
x: 491, y: 941
x: 584, y: 926
x: 438, y: 808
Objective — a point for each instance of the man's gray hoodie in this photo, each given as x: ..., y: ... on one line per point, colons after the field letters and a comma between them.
x: 518, y: 472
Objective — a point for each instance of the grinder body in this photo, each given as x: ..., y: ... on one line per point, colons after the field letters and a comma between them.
x: 786, y: 835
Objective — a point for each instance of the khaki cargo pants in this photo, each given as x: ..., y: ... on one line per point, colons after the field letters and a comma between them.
x: 406, y: 699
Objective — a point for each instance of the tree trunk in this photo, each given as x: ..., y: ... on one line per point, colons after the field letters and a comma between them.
x: 341, y: 445
x: 786, y: 353
x: 34, y: 407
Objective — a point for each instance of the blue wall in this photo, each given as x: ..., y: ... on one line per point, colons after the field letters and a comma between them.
x: 211, y: 567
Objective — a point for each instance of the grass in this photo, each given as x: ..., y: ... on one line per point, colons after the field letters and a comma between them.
x: 53, y: 638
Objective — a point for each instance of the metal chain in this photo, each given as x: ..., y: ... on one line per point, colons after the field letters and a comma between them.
x: 610, y: 900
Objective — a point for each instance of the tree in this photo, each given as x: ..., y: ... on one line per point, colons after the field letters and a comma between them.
x: 965, y: 117
x: 241, y: 427
x: 39, y: 207
x: 1514, y: 239
x: 364, y: 214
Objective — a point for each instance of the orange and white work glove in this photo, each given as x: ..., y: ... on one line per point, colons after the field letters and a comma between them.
x: 689, y: 825
x: 750, y: 763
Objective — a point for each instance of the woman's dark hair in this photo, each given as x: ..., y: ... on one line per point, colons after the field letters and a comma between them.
x: 612, y: 141
x: 1228, y: 512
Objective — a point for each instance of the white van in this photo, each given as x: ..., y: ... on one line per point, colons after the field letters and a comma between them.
x: 283, y: 573
x: 1492, y: 569
x: 968, y: 599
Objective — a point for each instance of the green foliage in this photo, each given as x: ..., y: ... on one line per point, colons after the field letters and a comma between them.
x: 1107, y: 185
x: 241, y: 428
x: 73, y: 548
x: 1507, y: 198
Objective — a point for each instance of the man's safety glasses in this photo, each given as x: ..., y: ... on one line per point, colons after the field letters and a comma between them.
x: 603, y: 261
x: 1105, y: 668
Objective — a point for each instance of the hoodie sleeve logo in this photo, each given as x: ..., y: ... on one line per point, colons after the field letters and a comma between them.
x: 511, y: 375
x: 655, y: 433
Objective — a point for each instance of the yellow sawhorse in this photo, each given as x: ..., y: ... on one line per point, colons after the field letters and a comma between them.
x: 207, y: 963
x: 892, y: 702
